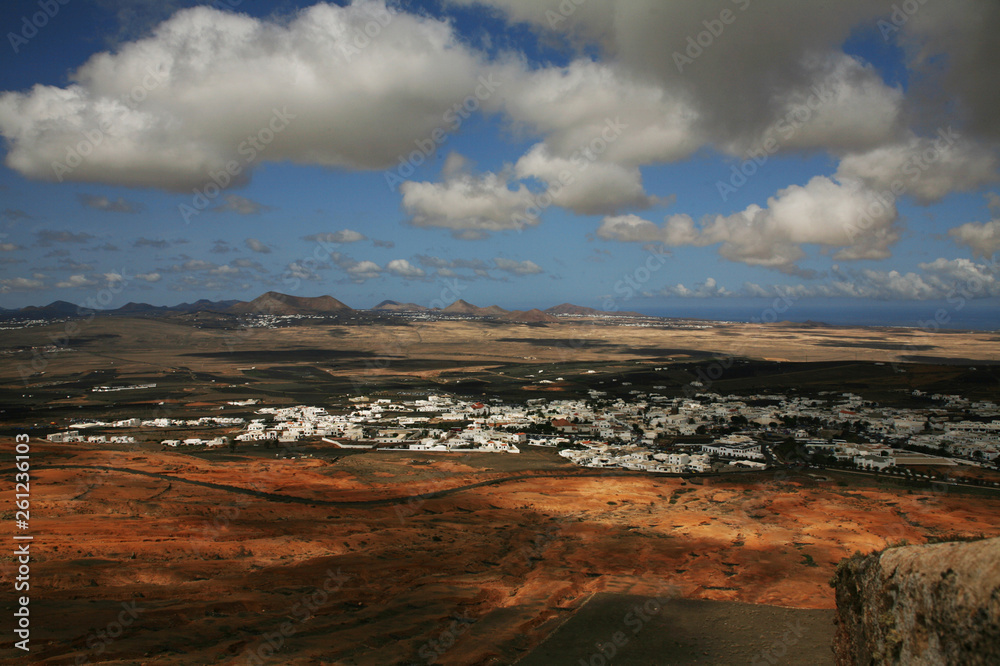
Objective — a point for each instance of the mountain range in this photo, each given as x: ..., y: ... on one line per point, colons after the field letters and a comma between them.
x: 279, y: 304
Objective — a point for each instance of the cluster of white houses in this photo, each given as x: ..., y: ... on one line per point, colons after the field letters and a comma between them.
x: 605, y: 432
x: 196, y: 441
x: 75, y: 436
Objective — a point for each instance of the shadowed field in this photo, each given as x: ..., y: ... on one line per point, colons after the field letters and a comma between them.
x: 444, y: 568
x: 47, y: 373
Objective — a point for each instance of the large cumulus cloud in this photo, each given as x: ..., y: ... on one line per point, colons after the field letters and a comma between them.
x: 836, y: 215
x: 168, y: 110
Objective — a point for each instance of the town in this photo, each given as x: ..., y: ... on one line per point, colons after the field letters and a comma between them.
x: 705, y: 433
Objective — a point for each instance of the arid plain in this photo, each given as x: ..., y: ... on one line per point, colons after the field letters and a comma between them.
x: 376, y: 557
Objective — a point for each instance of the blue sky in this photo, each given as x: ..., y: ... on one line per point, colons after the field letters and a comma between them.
x: 597, y: 162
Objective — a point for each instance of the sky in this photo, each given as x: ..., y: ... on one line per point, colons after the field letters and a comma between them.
x: 620, y: 154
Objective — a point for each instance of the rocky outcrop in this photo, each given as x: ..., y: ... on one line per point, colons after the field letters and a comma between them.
x: 931, y: 604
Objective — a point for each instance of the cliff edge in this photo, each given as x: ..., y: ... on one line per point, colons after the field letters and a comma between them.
x: 931, y: 604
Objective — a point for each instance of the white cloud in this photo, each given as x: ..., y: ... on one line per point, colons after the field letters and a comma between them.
x: 302, y: 271
x: 707, y: 289
x: 438, y: 262
x: 584, y: 186
x: 404, y: 269
x: 249, y: 263
x: 358, y: 271
x: 342, y: 236
x: 76, y: 281
x: 464, y: 202
x: 937, y: 280
x: 8, y: 285
x: 364, y: 270
x: 926, y: 168
x: 730, y: 105
x: 846, y: 107
x: 148, y: 277
x: 964, y: 277
x: 795, y: 89
x: 982, y: 238
x: 240, y: 205
x: 257, y: 246
x: 294, y: 83
x: 517, y: 267
x: 599, y: 106
x: 822, y: 212
x: 195, y: 265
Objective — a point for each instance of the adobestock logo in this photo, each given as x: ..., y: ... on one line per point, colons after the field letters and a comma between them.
x: 699, y: 43
x: 786, y: 128
x: 453, y: 118
x: 92, y: 138
x: 250, y: 148
x: 37, y: 21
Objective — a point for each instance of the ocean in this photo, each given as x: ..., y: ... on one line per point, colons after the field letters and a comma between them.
x: 981, y: 315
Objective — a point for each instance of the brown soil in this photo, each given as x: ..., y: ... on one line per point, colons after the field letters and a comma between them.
x: 478, y: 576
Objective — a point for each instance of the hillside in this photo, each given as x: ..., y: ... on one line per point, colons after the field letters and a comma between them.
x: 396, y: 306
x: 282, y: 304
x: 570, y: 309
x: 534, y: 316
x: 277, y: 303
x: 464, y: 307
x: 52, y: 310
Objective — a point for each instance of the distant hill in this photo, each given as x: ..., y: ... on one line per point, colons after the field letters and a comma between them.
x: 570, y: 309
x: 60, y: 309
x: 52, y: 310
x: 534, y: 316
x: 282, y: 304
x: 276, y: 303
x: 201, y: 305
x: 140, y: 308
x: 464, y: 307
x: 396, y: 306
x: 204, y: 304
